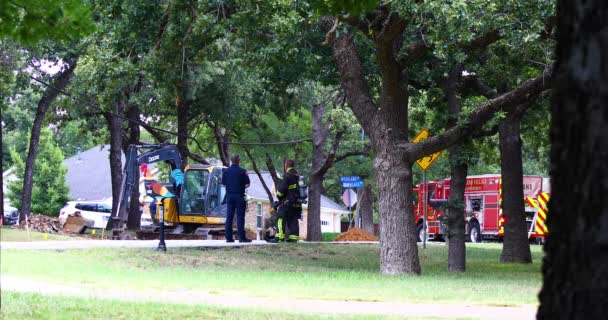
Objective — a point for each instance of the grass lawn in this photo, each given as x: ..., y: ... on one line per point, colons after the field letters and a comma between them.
x: 35, y: 306
x: 9, y: 234
x: 305, y: 271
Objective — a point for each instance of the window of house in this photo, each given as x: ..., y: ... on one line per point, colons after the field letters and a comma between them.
x: 324, y: 223
x: 259, y: 214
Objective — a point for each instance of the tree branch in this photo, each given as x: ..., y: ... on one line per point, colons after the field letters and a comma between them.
x: 329, y: 160
x: 364, y: 152
x: 257, y: 171
x: 479, y: 117
x: 472, y: 84
x: 272, y: 170
x: 197, y: 158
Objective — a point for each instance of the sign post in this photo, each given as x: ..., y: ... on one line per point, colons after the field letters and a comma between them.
x: 161, y: 243
x: 424, y: 163
x: 349, y: 183
x: 349, y: 197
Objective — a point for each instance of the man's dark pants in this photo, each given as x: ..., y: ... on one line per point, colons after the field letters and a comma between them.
x: 235, y: 202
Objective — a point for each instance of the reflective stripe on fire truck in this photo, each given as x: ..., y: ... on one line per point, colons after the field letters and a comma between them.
x: 501, y: 227
x: 541, y: 226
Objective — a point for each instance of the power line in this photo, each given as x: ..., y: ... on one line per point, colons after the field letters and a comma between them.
x: 143, y: 124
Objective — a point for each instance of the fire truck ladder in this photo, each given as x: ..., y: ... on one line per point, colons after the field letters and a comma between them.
x: 533, y: 225
x: 534, y: 204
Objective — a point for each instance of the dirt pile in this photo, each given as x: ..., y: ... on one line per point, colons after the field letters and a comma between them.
x: 41, y: 223
x: 356, y: 234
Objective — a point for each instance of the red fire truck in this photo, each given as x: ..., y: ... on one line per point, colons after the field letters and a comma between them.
x: 482, y: 200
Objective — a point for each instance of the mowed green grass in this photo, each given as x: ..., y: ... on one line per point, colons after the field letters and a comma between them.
x: 35, y: 306
x: 303, y: 271
x: 9, y: 234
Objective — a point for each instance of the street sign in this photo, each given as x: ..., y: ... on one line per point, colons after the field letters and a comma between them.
x: 351, y: 182
x: 422, y: 135
x: 349, y: 178
x: 349, y: 197
x: 426, y: 161
x: 354, y: 184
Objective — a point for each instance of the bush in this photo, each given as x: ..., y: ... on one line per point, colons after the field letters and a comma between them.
x: 50, y: 191
x: 329, y: 236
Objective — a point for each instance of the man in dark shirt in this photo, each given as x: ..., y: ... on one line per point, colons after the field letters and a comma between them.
x: 236, y: 181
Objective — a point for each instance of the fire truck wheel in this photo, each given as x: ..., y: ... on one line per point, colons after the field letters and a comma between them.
x: 420, y: 233
x: 474, y: 232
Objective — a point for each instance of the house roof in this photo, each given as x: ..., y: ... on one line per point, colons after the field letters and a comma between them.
x: 89, y: 175
x: 256, y: 191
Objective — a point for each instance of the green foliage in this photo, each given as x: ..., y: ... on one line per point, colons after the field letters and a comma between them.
x: 34, y: 20
x: 334, y: 7
x: 50, y: 191
x: 74, y: 135
x: 329, y: 236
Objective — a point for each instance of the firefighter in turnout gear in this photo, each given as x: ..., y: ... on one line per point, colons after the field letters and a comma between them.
x: 290, y: 204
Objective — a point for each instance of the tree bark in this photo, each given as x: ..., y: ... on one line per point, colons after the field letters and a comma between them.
x: 183, y: 110
x: 516, y: 247
x: 458, y: 171
x: 59, y: 82
x: 272, y: 170
x: 575, y: 280
x: 398, y: 249
x: 366, y: 211
x: 134, y: 220
x: 456, y: 212
x: 320, y: 131
x: 257, y: 171
x: 116, y: 142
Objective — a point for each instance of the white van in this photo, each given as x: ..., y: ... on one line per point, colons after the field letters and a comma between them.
x: 98, y: 211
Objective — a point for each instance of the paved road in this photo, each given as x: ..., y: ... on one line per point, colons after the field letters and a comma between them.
x: 200, y: 297
x: 87, y: 244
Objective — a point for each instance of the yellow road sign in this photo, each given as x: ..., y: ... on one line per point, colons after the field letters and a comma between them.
x: 426, y: 161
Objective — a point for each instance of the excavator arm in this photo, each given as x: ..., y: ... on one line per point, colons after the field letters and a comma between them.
x: 140, y: 155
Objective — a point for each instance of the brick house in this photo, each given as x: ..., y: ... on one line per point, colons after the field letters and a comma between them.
x: 258, y: 208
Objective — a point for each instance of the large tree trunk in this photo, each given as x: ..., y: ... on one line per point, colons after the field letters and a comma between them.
x: 458, y: 170
x: 320, y: 131
x: 366, y: 210
x: 456, y: 232
x: 574, y: 267
x: 115, y: 126
x: 398, y: 248
x: 183, y: 110
x: 386, y: 126
x: 134, y: 220
x: 315, y: 184
x: 59, y: 82
x: 516, y: 247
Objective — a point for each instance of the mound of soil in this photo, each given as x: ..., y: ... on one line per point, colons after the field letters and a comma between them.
x: 41, y: 223
x: 356, y: 234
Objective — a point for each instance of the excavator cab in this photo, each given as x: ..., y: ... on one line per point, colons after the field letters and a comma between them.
x: 202, y: 195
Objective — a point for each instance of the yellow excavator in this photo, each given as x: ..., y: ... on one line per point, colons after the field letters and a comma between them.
x: 191, y: 201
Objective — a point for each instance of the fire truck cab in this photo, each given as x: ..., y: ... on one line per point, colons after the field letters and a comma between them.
x: 483, y: 212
